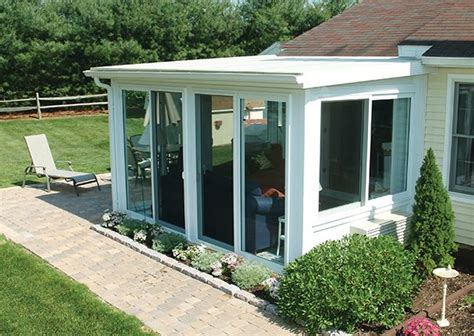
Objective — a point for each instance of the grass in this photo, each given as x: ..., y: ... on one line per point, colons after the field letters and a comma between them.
x: 35, y: 299
x: 84, y: 140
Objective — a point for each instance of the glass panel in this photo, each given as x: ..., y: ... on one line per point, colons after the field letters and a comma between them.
x: 264, y: 139
x: 389, y: 147
x: 169, y: 158
x: 465, y: 107
x: 462, y: 162
x: 215, y: 124
x: 463, y: 165
x: 342, y: 130
x: 138, y: 163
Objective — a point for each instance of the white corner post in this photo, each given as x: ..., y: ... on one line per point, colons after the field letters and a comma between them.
x: 302, y: 173
x: 118, y: 156
x: 190, y: 174
x: 112, y: 139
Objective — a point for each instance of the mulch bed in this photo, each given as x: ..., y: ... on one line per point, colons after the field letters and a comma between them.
x: 458, y: 313
x: 461, y: 318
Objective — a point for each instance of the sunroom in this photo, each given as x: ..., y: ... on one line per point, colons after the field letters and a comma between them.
x: 266, y: 156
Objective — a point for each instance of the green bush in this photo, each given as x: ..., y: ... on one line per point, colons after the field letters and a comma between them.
x: 129, y: 226
x: 166, y: 242
x: 343, y: 284
x: 204, y: 261
x: 432, y: 225
x: 77, y: 35
x: 250, y: 275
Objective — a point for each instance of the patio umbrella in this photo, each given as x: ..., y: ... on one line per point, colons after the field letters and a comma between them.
x: 171, y: 116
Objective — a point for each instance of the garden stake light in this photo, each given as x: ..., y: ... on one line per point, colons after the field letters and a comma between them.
x: 445, y: 273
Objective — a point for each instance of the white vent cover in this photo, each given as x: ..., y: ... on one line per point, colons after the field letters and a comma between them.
x: 390, y: 224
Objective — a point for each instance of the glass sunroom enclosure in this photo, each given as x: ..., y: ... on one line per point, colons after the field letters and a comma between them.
x: 265, y: 156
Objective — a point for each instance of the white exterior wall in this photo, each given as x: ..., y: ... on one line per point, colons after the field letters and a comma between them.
x: 336, y: 223
x: 305, y: 226
x: 439, y: 113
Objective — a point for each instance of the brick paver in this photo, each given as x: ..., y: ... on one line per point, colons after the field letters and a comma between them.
x: 55, y: 226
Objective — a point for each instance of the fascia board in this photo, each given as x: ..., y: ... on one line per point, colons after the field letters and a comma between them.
x: 448, y: 62
x: 254, y: 79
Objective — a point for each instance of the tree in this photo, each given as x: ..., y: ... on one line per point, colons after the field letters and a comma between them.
x: 336, y: 7
x: 269, y: 21
x: 432, y: 225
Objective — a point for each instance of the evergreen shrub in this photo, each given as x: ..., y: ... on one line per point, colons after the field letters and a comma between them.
x: 347, y: 283
x: 432, y: 225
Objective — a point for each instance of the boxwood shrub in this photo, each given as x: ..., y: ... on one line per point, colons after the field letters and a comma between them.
x: 346, y: 283
x: 204, y: 261
x: 250, y: 275
x: 166, y: 242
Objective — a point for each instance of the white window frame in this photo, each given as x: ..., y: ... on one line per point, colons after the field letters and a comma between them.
x: 388, y: 202
x: 121, y: 159
x: 453, y: 79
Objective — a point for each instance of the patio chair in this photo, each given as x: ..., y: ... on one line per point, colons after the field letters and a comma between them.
x: 43, y: 165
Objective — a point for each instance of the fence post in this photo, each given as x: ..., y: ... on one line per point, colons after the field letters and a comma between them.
x: 38, y: 105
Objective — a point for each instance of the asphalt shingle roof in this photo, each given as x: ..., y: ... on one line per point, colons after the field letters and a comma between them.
x: 377, y: 27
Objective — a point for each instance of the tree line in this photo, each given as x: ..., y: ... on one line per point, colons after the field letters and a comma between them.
x: 45, y: 44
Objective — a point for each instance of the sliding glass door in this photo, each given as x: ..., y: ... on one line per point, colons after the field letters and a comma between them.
x: 263, y: 144
x: 168, y: 153
x: 137, y: 153
x: 215, y: 123
x: 154, y: 156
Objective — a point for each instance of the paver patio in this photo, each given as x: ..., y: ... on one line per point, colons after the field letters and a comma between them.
x: 55, y: 226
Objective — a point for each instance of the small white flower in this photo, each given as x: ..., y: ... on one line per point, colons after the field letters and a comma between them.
x: 272, y: 285
x: 140, y: 236
x: 216, y: 268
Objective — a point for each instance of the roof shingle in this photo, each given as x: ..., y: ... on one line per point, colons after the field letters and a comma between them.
x: 377, y: 27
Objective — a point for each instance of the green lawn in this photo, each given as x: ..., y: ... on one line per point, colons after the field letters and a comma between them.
x: 35, y: 299
x: 84, y: 140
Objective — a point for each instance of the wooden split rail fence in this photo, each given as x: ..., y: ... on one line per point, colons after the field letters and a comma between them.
x: 39, y: 107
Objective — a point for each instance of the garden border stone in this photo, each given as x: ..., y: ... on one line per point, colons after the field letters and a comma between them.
x: 217, y: 283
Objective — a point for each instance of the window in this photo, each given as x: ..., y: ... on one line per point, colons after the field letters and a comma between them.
x: 345, y: 177
x: 462, y: 161
x: 389, y: 147
x: 342, y: 134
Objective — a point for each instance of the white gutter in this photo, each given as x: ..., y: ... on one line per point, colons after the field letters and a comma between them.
x: 448, y: 62
x: 267, y: 80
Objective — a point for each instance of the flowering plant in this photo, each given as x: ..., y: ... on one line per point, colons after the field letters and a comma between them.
x: 216, y: 268
x: 187, y: 253
x: 230, y: 261
x: 140, y: 236
x: 112, y: 218
x: 421, y: 327
x: 272, y: 285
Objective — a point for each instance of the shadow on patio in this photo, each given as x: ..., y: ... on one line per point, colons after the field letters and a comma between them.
x: 91, y: 203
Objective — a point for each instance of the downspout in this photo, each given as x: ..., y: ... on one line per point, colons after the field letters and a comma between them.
x: 112, y: 147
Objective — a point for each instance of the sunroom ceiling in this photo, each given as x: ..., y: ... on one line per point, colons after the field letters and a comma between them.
x: 266, y: 71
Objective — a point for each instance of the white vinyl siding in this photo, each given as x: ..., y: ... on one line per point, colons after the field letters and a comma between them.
x: 437, y: 127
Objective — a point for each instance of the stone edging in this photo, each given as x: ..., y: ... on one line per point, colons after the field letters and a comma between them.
x: 217, y: 283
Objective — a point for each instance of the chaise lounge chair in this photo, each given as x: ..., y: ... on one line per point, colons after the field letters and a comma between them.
x: 42, y: 165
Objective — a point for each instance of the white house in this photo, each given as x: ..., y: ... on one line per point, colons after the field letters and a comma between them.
x: 270, y: 155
